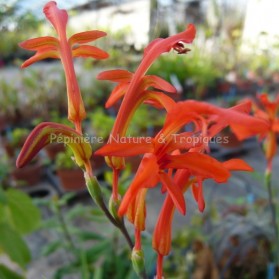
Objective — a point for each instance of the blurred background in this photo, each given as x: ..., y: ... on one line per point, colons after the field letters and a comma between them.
x: 49, y: 228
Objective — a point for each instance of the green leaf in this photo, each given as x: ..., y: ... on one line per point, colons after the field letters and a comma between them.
x: 25, y: 217
x: 84, y: 265
x: 65, y: 270
x: 52, y: 247
x: 6, y: 273
x: 98, y: 274
x: 14, y: 246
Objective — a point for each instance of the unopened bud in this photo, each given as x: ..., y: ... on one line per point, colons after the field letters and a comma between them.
x: 94, y: 190
x: 117, y: 163
x: 138, y: 262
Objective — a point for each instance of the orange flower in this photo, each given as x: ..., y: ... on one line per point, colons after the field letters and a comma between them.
x: 159, y: 155
x: 65, y: 49
x: 135, y: 87
x: 268, y: 110
x: 163, y: 229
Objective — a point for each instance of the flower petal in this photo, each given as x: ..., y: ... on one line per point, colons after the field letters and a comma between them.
x: 86, y: 37
x: 198, y: 164
x: 48, y: 52
x: 116, y: 94
x: 151, y: 45
x: 89, y: 51
x: 237, y: 165
x: 116, y: 76
x: 57, y: 17
x: 128, y: 147
x: 145, y: 177
x: 185, y: 141
x: 175, y: 193
x: 136, y: 213
x: 243, y: 125
x: 41, y: 42
x: 165, y: 45
x: 161, y: 241
x: 158, y: 83
x: 158, y: 100
x: 48, y: 132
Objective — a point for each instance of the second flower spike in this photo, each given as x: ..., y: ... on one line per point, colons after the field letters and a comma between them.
x: 65, y: 49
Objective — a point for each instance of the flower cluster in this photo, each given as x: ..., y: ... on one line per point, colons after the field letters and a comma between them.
x: 167, y: 162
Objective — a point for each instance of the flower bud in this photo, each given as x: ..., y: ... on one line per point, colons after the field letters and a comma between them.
x: 94, y: 190
x: 137, y: 258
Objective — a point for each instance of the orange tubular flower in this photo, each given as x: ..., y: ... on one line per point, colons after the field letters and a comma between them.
x: 65, y: 49
x: 134, y: 87
x: 159, y: 152
x: 162, y: 156
x: 268, y: 111
x: 163, y: 229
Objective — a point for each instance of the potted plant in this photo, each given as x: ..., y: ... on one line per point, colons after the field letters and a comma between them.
x: 70, y: 176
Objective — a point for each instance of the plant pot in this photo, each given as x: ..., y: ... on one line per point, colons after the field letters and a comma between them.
x: 53, y: 149
x: 29, y: 175
x: 71, y: 179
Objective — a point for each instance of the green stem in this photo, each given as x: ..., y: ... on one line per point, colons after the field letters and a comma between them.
x: 97, y: 196
x: 125, y: 233
x: 272, y: 207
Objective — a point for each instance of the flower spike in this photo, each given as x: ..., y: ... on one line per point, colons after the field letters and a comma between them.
x: 65, y: 49
x: 136, y: 87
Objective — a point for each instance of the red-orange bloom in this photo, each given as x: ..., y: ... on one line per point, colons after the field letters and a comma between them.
x: 162, y: 156
x: 268, y: 110
x: 163, y: 230
x: 159, y: 152
x: 65, y: 49
x: 134, y: 87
